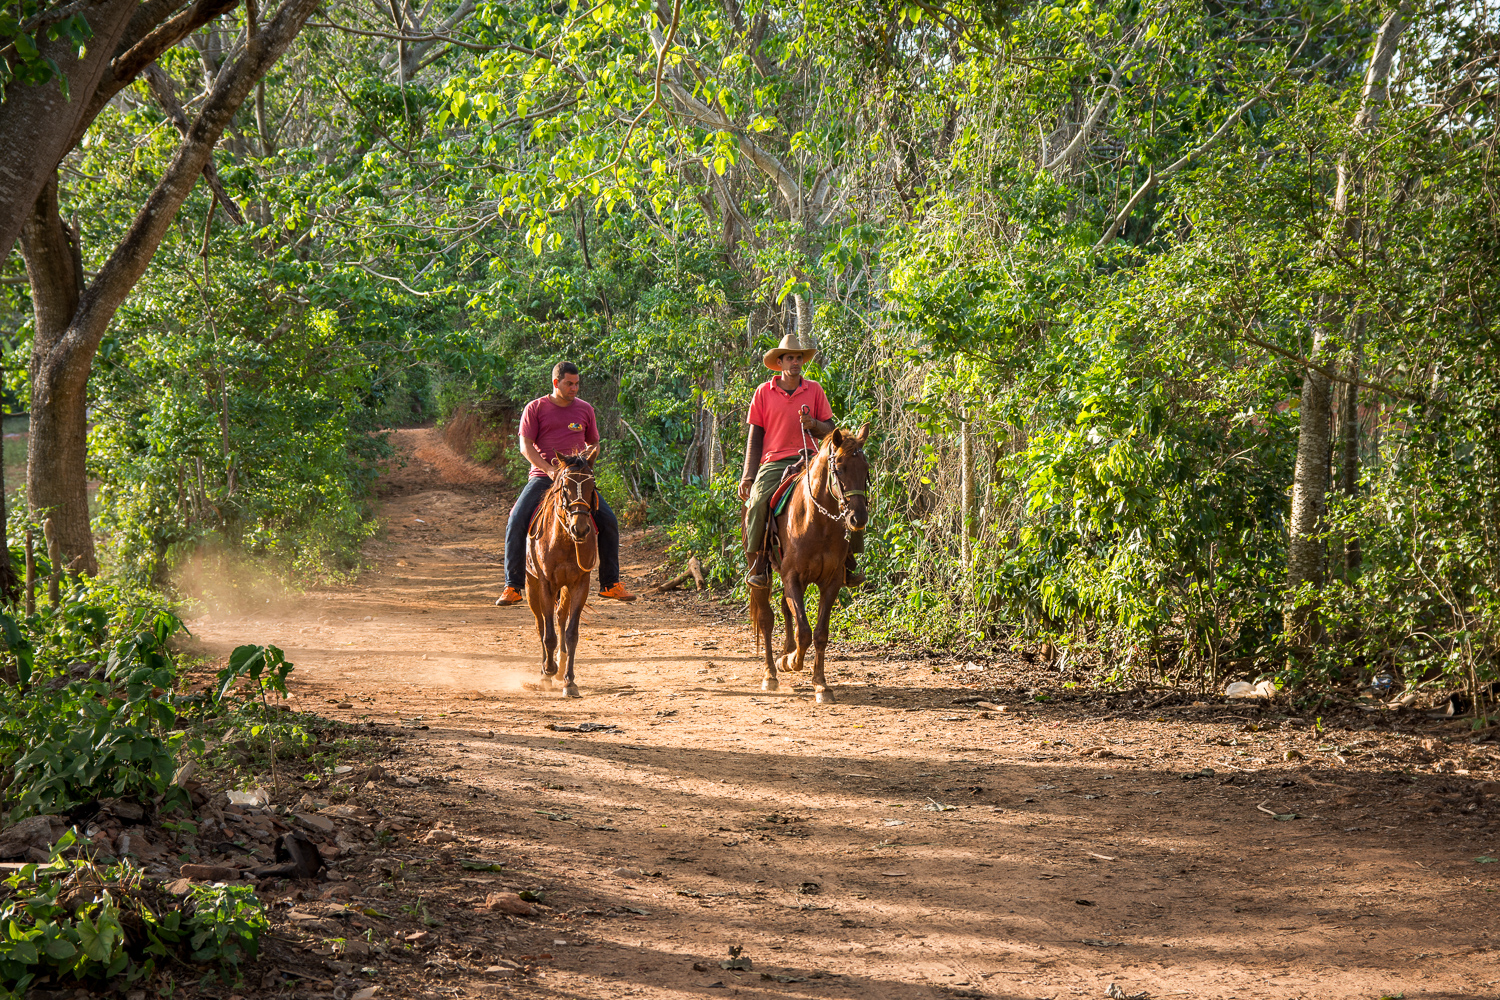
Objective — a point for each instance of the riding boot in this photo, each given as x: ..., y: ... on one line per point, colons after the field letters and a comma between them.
x: 852, y: 576
x: 760, y: 571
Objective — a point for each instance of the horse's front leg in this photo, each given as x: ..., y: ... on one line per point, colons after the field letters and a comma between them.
x: 575, y: 596
x: 765, y: 626
x: 795, y: 595
x: 789, y: 635
x: 822, y: 693
x: 543, y: 607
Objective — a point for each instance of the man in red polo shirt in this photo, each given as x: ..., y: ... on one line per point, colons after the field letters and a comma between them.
x: 553, y: 425
x: 787, y: 414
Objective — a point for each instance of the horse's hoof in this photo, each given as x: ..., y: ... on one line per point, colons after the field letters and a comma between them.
x: 788, y: 661
x: 769, y: 684
x: 825, y: 698
x: 571, y: 691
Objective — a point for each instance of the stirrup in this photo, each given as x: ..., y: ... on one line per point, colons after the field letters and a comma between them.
x: 760, y: 571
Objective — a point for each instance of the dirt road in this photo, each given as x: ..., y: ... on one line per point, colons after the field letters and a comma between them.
x: 906, y: 844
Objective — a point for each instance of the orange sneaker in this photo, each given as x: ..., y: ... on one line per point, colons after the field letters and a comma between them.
x: 617, y: 592
x: 511, y: 596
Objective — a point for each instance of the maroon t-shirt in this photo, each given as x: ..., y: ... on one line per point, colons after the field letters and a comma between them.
x: 558, y: 430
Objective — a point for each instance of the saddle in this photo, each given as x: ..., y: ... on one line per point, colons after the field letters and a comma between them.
x: 780, y: 497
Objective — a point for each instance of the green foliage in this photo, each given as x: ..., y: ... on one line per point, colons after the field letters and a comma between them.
x: 225, y: 925
x: 265, y: 666
x: 84, y: 921
x: 705, y: 521
x: 1116, y: 330
x: 91, y: 708
x: 484, y: 450
x: 25, y: 28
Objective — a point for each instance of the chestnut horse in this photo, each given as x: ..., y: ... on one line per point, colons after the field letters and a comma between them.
x: 828, y: 504
x: 562, y: 548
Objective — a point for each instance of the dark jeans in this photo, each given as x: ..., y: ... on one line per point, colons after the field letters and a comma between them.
x: 520, y: 519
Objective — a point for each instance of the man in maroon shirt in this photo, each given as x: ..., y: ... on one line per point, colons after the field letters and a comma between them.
x: 787, y: 414
x: 559, y: 424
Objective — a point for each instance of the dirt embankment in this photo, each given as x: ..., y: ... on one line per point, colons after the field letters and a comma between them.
x: 484, y: 436
x: 936, y: 834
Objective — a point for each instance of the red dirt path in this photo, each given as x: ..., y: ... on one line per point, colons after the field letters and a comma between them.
x: 1076, y: 855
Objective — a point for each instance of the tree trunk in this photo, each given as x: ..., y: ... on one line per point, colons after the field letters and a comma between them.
x: 37, y: 123
x: 9, y: 585
x: 56, y: 452
x: 804, y: 318
x: 1306, y: 562
x: 966, y: 491
x: 715, y: 434
x: 70, y: 324
x: 1349, y: 450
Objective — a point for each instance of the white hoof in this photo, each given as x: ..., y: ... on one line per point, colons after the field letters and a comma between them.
x: 825, y: 697
x: 769, y: 684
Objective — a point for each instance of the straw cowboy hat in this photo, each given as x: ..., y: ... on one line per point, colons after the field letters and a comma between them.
x: 789, y: 345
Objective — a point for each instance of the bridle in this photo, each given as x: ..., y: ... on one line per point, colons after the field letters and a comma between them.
x: 835, y: 484
x: 580, y: 503
x: 837, y: 488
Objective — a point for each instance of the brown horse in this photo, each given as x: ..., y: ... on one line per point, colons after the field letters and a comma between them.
x: 827, y: 505
x: 562, y: 548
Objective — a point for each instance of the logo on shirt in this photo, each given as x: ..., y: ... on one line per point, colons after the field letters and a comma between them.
x: 575, y: 426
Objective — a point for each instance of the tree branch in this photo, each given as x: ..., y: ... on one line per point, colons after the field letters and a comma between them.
x: 1113, y: 88
x: 132, y: 255
x: 786, y: 182
x: 449, y: 39
x: 126, y: 66
x: 1153, y: 178
x: 166, y: 96
x: 1330, y: 373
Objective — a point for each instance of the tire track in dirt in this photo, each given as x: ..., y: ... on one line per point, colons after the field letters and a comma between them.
x: 810, y: 835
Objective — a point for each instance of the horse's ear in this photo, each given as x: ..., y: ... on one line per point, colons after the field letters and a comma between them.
x: 590, y: 453
x: 861, y: 434
x: 837, y: 437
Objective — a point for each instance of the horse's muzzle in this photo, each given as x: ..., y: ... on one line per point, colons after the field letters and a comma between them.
x: 857, y: 519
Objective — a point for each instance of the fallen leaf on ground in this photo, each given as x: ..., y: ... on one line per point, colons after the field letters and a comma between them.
x: 509, y: 902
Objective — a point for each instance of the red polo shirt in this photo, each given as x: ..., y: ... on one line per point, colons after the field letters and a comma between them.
x: 779, y: 413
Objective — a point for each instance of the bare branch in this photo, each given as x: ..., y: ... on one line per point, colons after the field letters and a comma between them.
x: 1310, y: 365
x: 1113, y: 88
x: 166, y: 96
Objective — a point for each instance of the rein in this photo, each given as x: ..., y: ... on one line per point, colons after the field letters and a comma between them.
x: 835, y: 486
